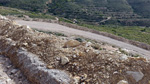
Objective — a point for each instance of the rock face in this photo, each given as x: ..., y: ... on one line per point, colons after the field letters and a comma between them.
x: 9, y: 74
x: 29, y: 63
x: 33, y: 68
x: 72, y: 43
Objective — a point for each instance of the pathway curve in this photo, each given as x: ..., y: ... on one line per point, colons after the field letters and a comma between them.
x: 70, y: 31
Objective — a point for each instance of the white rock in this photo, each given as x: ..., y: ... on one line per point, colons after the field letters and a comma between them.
x: 2, y: 17
x: 126, y: 50
x: 74, y: 56
x: 123, y: 57
x: 97, y: 52
x: 136, y: 75
x: 76, y: 79
x: 115, y: 72
x: 88, y: 44
x: 8, y: 39
x: 122, y: 82
x: 64, y: 60
x: 28, y: 27
x: 25, y: 44
x: 14, y: 71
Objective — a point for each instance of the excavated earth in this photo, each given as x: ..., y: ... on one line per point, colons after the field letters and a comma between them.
x: 85, y: 62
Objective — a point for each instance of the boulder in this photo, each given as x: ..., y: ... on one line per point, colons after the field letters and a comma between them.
x: 72, y: 43
x: 136, y: 75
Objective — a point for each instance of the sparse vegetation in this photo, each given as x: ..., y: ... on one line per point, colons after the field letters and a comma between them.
x: 20, y: 13
x: 141, y: 34
x: 49, y: 32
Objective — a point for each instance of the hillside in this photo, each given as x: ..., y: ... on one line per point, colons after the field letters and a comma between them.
x: 125, y: 12
x: 52, y: 59
x: 141, y: 7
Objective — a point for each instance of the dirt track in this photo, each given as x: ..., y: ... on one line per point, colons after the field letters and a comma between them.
x: 70, y: 31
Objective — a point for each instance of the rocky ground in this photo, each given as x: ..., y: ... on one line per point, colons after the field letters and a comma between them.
x: 10, y: 74
x: 87, y: 62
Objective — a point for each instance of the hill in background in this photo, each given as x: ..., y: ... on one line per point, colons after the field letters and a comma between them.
x: 125, y: 12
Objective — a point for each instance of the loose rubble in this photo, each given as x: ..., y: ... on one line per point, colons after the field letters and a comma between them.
x: 9, y: 74
x: 86, y: 62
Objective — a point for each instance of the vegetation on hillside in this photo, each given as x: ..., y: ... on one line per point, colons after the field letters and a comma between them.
x: 141, y: 34
x: 32, y: 5
x: 122, y: 12
x: 21, y: 13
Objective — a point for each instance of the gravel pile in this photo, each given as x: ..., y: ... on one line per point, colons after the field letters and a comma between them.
x: 86, y: 62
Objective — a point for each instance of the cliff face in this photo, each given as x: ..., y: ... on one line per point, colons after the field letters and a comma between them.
x: 49, y: 59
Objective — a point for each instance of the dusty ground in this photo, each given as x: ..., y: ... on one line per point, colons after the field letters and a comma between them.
x: 9, y: 74
x: 87, y: 62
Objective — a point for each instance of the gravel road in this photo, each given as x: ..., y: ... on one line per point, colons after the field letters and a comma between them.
x: 70, y: 31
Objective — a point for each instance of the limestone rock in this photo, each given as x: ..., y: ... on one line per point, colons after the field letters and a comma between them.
x: 136, y: 75
x: 88, y: 44
x: 64, y: 60
x: 76, y: 79
x: 81, y: 53
x: 50, y: 67
x: 122, y: 82
x: 72, y: 43
x: 14, y: 71
x: 123, y: 57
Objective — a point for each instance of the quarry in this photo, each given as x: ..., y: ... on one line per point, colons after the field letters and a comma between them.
x: 43, y: 58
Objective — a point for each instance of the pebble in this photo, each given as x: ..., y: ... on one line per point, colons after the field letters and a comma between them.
x: 122, y: 82
x: 88, y: 44
x: 25, y: 44
x: 50, y: 67
x: 14, y: 71
x: 64, y: 60
x: 76, y: 79
x: 123, y: 57
x: 74, y: 56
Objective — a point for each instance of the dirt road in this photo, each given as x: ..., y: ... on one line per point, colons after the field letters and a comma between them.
x: 70, y: 31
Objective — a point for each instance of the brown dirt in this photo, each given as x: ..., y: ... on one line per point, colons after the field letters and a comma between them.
x: 90, y: 65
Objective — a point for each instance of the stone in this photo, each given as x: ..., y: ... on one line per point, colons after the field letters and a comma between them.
x: 72, y: 43
x: 123, y: 57
x: 3, y: 17
x: 74, y: 56
x: 76, y: 79
x: 64, y: 60
x: 136, y: 75
x: 50, y: 67
x: 97, y: 52
x: 81, y: 54
x: 126, y: 50
x: 83, y: 83
x: 14, y: 71
x: 25, y: 44
x: 122, y: 82
x: 88, y: 44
